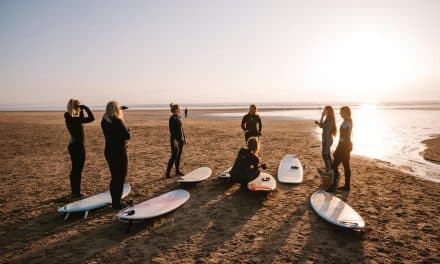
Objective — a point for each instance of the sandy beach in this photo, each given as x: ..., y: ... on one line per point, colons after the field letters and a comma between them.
x: 220, y: 223
x: 432, y: 151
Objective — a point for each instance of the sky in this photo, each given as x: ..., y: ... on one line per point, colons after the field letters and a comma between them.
x: 156, y: 52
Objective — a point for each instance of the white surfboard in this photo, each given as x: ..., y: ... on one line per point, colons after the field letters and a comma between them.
x: 290, y: 170
x: 335, y: 211
x: 264, y: 182
x: 226, y: 174
x: 196, y: 175
x: 154, y: 207
x: 90, y: 203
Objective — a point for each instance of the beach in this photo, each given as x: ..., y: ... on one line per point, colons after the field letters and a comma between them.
x: 220, y: 223
x: 432, y: 151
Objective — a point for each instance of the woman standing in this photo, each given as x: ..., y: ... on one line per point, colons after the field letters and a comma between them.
x: 74, y: 118
x: 249, y: 123
x: 177, y: 140
x: 328, y: 132
x: 116, y: 139
x: 343, y: 150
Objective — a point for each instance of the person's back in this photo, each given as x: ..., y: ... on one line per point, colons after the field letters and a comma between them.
x: 115, y: 133
x: 245, y: 167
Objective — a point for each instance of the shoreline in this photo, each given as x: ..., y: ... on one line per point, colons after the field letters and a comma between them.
x: 219, y: 222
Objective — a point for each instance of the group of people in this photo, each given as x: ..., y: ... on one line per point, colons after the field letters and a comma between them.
x: 246, y: 166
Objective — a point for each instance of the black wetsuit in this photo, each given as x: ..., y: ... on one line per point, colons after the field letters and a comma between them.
x: 76, y: 146
x: 327, y: 140
x: 342, y: 153
x: 176, y: 133
x: 245, y: 167
x: 116, y: 135
x: 249, y: 124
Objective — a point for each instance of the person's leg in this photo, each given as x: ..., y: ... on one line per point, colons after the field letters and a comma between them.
x: 347, y: 171
x: 120, y: 179
x: 335, y: 172
x: 77, y: 156
x: 174, y: 152
x: 179, y: 154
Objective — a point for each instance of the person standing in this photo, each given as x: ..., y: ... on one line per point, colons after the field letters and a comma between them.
x: 328, y: 126
x: 177, y: 140
x: 74, y: 118
x: 342, y: 152
x: 249, y: 123
x: 116, y: 139
x: 186, y: 112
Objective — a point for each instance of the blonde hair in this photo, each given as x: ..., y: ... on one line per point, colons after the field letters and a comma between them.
x: 73, y: 107
x: 253, y: 145
x: 113, y: 109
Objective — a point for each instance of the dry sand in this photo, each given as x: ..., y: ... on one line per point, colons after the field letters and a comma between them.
x: 220, y: 223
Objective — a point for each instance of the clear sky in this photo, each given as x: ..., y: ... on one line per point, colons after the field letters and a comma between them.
x: 218, y: 51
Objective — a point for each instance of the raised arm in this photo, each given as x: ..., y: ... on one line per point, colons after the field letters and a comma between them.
x: 89, y: 118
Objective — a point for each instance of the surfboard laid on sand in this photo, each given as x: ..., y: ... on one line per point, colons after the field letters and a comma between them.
x: 90, y: 203
x: 335, y: 211
x: 264, y: 182
x: 226, y: 174
x: 154, y: 207
x: 290, y: 170
x: 196, y: 175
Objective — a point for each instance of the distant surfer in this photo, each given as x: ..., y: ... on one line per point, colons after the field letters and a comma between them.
x: 74, y: 118
x: 177, y: 140
x: 116, y: 139
x: 249, y: 123
x: 246, y: 166
x: 328, y: 125
x: 342, y: 152
x: 186, y: 112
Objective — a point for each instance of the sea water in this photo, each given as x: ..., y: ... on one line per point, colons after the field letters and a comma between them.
x: 389, y: 133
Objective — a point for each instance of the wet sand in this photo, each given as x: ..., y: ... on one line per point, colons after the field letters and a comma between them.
x: 220, y: 223
x: 432, y: 151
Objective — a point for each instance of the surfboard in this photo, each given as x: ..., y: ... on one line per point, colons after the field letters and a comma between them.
x: 196, y: 175
x: 290, y: 170
x: 154, y: 207
x: 335, y: 211
x: 225, y: 174
x: 264, y: 182
x: 90, y: 203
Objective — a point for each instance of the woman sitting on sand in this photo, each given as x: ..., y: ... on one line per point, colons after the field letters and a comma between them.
x: 177, y: 140
x: 246, y: 165
x: 116, y: 139
x: 328, y: 132
x: 75, y: 119
x: 342, y: 152
x: 249, y: 123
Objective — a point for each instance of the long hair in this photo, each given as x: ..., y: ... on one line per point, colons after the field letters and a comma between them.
x: 112, y: 110
x: 254, y: 145
x: 347, y: 111
x: 331, y: 115
x: 73, y: 107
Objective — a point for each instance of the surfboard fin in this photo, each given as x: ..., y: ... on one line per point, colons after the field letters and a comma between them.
x: 86, y: 213
x: 66, y: 215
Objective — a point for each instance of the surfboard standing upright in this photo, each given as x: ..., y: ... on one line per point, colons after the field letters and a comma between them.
x: 335, y: 211
x: 290, y: 170
x: 90, y: 203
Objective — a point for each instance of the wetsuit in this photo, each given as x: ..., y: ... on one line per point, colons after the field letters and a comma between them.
x: 342, y: 154
x: 245, y: 167
x: 176, y: 133
x: 76, y: 146
x: 116, y: 135
x: 249, y: 125
x: 327, y: 140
